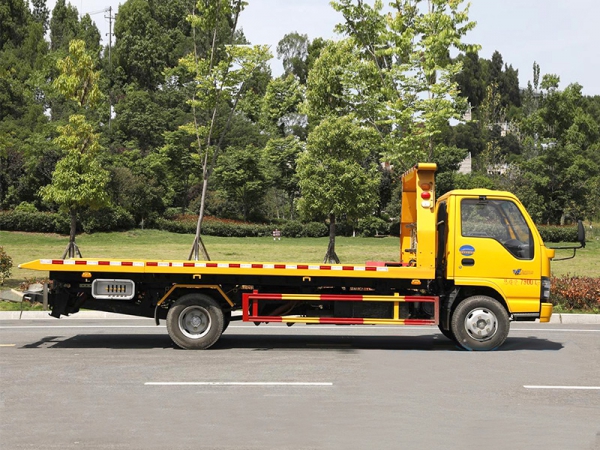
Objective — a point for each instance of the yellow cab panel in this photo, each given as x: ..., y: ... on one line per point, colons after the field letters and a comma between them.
x: 495, y: 245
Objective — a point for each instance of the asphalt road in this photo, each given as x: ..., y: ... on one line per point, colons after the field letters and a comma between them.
x: 120, y: 384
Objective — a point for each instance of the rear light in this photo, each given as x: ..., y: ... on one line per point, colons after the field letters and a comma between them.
x: 425, y: 195
x: 545, y: 294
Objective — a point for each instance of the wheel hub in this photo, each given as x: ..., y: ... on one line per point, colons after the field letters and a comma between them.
x: 481, y: 324
x: 194, y: 322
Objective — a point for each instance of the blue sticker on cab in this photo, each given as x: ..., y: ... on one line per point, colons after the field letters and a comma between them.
x: 467, y: 250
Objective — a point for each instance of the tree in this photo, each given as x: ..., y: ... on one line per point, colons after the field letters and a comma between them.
x: 219, y: 79
x: 335, y: 177
x: 78, y: 181
x: 281, y: 105
x: 241, y: 177
x: 64, y: 25
x: 414, y: 94
x: 562, y: 167
x: 280, y: 157
x: 293, y: 51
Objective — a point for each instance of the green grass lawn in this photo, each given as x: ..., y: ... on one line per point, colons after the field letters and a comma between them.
x: 153, y: 244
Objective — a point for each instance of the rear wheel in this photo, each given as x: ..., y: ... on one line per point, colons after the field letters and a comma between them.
x: 195, y: 321
x: 480, y: 323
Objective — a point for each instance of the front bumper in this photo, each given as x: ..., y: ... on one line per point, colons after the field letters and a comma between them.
x: 545, y: 312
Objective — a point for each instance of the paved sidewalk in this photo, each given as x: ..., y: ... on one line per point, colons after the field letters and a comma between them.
x: 592, y: 319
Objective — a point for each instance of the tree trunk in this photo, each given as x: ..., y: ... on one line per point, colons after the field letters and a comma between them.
x: 72, y: 249
x: 198, y: 245
x: 331, y: 257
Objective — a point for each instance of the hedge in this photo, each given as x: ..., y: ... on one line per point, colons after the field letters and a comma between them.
x: 109, y: 219
x: 552, y: 233
x: 40, y: 222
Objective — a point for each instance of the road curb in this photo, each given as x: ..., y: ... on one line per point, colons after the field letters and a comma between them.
x: 589, y: 319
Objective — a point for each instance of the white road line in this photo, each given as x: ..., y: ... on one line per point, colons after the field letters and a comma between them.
x: 235, y: 383
x: 302, y: 328
x: 567, y: 330
x: 79, y: 326
x: 587, y: 388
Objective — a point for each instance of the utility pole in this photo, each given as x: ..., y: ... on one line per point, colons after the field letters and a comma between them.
x: 110, y: 19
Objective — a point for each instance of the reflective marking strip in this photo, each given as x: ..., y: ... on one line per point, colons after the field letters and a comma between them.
x: 235, y: 383
x: 584, y: 388
x: 322, y: 267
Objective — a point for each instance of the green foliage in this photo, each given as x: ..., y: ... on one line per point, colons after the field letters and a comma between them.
x: 241, y: 176
x: 107, y: 219
x: 6, y: 264
x: 372, y: 226
x: 293, y: 51
x: 335, y: 175
x: 576, y: 293
x: 40, y: 222
x: 400, y: 76
x: 557, y: 233
x: 78, y: 180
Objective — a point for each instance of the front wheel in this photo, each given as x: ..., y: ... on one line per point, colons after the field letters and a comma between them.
x: 195, y: 322
x: 480, y: 323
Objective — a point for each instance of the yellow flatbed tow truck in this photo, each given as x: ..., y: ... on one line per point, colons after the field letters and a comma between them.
x: 469, y: 263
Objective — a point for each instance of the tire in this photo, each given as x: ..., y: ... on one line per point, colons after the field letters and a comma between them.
x: 195, y: 322
x: 226, y: 320
x: 480, y: 323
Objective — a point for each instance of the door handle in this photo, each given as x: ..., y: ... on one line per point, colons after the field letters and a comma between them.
x: 468, y: 262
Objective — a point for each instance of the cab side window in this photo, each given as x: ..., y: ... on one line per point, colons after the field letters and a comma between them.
x: 500, y: 220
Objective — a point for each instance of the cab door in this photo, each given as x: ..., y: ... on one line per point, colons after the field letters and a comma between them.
x: 494, y: 247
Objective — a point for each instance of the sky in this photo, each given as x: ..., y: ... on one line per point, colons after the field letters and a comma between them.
x: 562, y: 36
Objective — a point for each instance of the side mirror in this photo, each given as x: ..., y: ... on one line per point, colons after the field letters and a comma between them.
x: 580, y: 238
x: 581, y: 233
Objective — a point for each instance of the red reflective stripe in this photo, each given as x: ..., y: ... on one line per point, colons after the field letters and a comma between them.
x: 418, y: 321
x: 325, y: 267
x: 280, y: 266
x: 127, y: 263
x: 211, y: 265
x: 57, y: 261
x: 371, y: 269
x: 348, y: 268
x: 189, y: 264
x: 258, y: 266
x: 104, y: 263
x: 302, y: 267
x: 152, y: 264
x: 80, y: 263
x: 234, y: 266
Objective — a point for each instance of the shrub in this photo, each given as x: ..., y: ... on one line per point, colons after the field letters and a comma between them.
x: 291, y: 229
x: 572, y: 292
x: 553, y: 233
x: 5, y: 265
x: 26, y: 207
x: 315, y: 229
x: 372, y: 226
x: 107, y: 219
x: 41, y: 222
